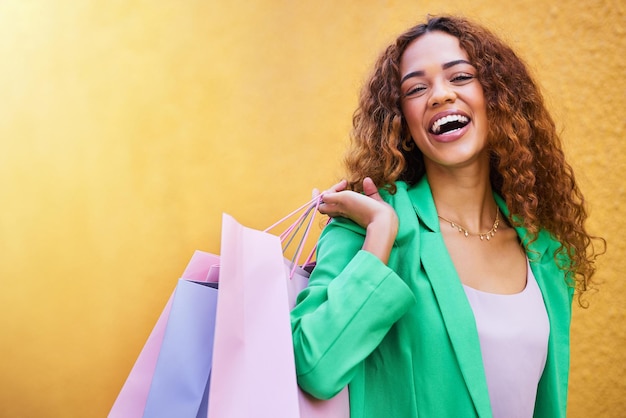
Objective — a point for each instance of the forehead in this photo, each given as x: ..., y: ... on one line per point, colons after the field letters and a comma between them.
x: 431, y: 49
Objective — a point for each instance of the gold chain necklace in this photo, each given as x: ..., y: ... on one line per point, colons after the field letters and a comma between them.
x: 486, y: 236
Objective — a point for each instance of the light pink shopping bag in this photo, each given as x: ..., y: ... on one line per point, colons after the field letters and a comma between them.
x: 131, y: 401
x: 253, y: 373
x: 253, y: 369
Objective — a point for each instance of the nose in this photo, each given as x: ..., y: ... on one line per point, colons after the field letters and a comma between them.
x: 441, y: 93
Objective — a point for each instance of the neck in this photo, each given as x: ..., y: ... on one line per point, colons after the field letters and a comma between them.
x: 465, y: 198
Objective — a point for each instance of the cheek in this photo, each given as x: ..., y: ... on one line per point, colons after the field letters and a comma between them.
x: 483, y: 119
x: 480, y: 101
x: 412, y: 113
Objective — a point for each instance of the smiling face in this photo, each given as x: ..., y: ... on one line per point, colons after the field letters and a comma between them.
x: 443, y: 102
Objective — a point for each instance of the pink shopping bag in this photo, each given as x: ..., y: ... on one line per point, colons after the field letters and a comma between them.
x: 131, y: 401
x: 253, y: 373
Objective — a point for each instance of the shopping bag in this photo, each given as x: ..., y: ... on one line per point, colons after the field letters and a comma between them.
x: 180, y: 383
x: 253, y: 373
x: 131, y: 401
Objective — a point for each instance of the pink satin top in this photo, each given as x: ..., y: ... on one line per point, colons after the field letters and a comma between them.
x: 513, y: 332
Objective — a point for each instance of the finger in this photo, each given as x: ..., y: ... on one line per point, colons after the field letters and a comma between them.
x: 339, y: 186
x: 329, y: 209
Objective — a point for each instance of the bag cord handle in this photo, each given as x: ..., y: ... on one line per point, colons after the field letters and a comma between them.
x: 305, y: 220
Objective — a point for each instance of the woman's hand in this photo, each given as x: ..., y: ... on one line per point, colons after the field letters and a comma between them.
x: 367, y: 210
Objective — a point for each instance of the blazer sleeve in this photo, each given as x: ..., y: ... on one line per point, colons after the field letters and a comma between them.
x: 352, y: 301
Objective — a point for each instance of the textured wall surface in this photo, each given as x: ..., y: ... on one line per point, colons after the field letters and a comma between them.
x: 127, y: 127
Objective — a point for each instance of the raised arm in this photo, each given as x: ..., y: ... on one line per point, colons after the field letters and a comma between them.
x: 353, y: 297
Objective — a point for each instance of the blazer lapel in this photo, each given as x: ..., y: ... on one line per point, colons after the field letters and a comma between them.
x: 455, y: 309
x: 550, y: 278
x: 557, y: 297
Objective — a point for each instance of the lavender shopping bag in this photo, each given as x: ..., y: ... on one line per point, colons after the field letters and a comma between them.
x: 131, y: 401
x: 180, y: 384
x: 253, y: 373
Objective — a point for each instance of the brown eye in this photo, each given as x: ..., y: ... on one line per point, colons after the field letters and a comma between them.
x: 460, y: 78
x: 415, y: 91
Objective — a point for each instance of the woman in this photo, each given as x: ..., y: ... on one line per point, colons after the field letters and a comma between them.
x: 447, y: 292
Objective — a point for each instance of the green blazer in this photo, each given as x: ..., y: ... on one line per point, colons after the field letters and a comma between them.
x: 403, y: 335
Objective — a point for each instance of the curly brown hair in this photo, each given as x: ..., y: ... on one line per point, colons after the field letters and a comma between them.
x: 528, y: 167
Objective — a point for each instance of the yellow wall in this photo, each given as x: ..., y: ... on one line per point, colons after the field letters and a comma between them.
x: 127, y: 127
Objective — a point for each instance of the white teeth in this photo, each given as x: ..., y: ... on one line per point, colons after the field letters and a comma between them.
x: 446, y: 119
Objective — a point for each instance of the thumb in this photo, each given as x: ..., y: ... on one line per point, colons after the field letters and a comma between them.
x: 370, y: 189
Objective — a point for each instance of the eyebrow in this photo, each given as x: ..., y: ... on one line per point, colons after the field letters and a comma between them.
x: 444, y: 66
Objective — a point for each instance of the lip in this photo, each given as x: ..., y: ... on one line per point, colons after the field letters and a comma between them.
x: 450, y: 136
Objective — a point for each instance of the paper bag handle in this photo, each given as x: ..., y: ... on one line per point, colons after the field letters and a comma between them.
x: 305, y: 220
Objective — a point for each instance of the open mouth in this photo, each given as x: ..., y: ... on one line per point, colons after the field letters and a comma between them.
x: 448, y: 124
